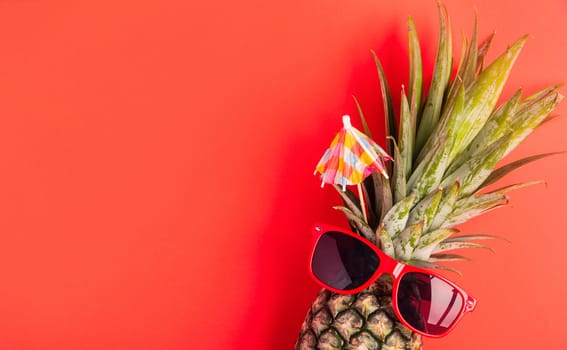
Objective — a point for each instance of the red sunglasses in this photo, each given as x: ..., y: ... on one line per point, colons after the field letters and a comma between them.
x: 424, y: 301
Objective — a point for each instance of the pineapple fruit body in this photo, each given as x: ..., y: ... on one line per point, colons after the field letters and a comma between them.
x: 446, y: 149
x: 361, y: 321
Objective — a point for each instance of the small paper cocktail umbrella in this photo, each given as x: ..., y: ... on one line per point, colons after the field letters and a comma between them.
x: 350, y: 158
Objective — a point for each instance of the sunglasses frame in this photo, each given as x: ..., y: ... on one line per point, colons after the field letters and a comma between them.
x: 396, y: 269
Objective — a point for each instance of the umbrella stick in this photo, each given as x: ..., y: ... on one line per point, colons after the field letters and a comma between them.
x: 362, y: 203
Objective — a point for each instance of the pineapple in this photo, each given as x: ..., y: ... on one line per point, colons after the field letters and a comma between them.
x: 446, y: 150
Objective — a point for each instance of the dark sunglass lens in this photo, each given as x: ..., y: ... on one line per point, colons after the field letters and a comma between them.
x: 343, y: 262
x: 428, y: 303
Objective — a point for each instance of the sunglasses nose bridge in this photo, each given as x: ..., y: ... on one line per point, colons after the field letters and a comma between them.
x: 391, y: 266
x: 396, y: 269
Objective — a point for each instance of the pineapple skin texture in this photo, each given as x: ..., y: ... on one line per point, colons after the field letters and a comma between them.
x: 363, y: 321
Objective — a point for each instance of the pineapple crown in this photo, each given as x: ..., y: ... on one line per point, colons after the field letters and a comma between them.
x: 445, y: 151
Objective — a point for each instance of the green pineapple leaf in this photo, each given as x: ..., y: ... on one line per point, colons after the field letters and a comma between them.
x: 442, y: 257
x: 350, y: 200
x: 362, y: 118
x: 430, y: 240
x: 406, y: 137
x: 508, y: 168
x: 399, y: 176
x: 406, y: 242
x: 446, y: 206
x: 439, y: 81
x: 482, y: 51
x: 472, y: 237
x: 517, y: 186
x: 429, y: 265
x: 429, y: 172
x: 531, y: 115
x: 386, y: 241
x: 425, y: 210
x: 387, y: 101
x: 539, y: 95
x: 469, y: 67
x: 495, y: 128
x: 450, y: 246
x: 482, y: 96
x: 415, y: 84
x: 359, y: 223
x: 454, y: 105
x: 475, y: 170
x: 396, y: 218
x: 472, y: 206
x: 383, y: 195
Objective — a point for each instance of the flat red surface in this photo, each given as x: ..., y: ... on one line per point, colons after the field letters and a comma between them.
x: 156, y: 160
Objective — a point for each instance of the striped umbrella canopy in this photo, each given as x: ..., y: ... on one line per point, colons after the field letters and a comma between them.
x: 351, y: 157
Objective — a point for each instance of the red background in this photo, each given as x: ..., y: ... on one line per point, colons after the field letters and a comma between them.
x: 156, y: 163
